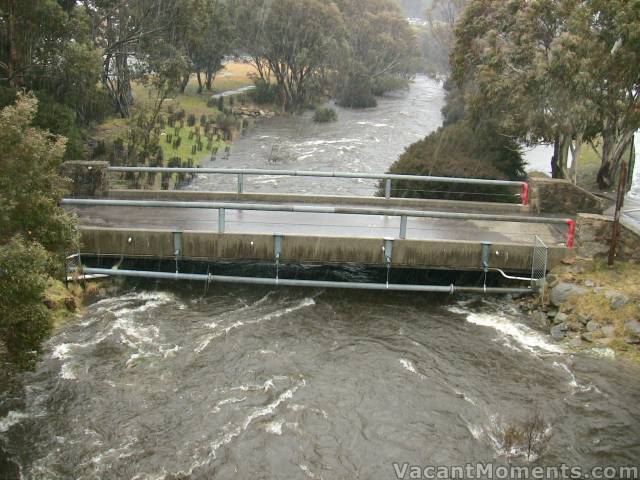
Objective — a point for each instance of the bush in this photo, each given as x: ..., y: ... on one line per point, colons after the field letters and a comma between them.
x: 24, y: 320
x: 357, y: 92
x: 265, y: 93
x: 325, y: 115
x: 459, y: 151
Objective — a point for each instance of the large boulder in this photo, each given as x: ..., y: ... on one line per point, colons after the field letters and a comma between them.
x: 616, y: 299
x: 563, y: 291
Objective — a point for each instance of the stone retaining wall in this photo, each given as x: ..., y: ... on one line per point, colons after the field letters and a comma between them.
x: 593, y: 238
x: 90, y: 179
x: 551, y: 195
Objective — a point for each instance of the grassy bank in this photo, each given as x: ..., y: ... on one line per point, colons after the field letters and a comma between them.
x: 591, y: 305
x: 192, y: 126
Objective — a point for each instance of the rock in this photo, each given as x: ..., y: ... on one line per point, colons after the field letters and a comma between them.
x: 71, y: 304
x: 609, y: 331
x: 589, y: 283
x: 583, y: 319
x: 552, y: 312
x: 50, y: 304
x: 551, y: 280
x: 632, y: 340
x: 575, y: 342
x: 563, y: 291
x: 633, y: 326
x: 592, y: 326
x: 540, y: 318
x: 561, y: 318
x: 559, y: 331
x: 587, y: 336
x: 604, y: 342
x: 616, y: 299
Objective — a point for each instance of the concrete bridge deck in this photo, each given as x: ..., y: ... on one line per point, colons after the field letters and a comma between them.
x: 321, y: 224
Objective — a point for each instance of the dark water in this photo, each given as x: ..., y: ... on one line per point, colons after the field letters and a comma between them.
x: 255, y: 383
x: 166, y: 382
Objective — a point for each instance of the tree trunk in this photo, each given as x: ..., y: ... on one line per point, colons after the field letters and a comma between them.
x: 560, y: 156
x: 613, y: 149
x: 198, y: 76
x: 185, y: 81
x: 123, y: 95
x: 15, y: 79
x: 576, y: 148
x: 210, y: 78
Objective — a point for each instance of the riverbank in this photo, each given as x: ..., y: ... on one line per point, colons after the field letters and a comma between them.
x: 587, y: 304
x: 191, y: 128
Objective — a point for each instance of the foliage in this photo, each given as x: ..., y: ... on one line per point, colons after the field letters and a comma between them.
x: 325, y: 115
x: 554, y: 72
x: 34, y: 231
x: 30, y: 186
x: 24, y: 320
x: 296, y: 41
x: 438, y: 37
x: 46, y: 48
x: 458, y: 150
x: 264, y: 93
x: 382, y: 51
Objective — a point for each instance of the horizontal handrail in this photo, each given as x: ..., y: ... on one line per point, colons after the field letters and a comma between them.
x: 403, y: 214
x: 302, y: 173
x: 240, y: 172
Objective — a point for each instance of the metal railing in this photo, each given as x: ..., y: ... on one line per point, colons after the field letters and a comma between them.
x: 388, y: 178
x: 222, y: 207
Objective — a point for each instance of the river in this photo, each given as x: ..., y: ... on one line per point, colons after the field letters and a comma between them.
x: 166, y: 381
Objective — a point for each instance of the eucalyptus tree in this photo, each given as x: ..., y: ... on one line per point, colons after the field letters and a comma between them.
x: 604, y: 49
x: 214, y: 43
x: 382, y: 49
x: 561, y: 72
x: 294, y: 41
x: 438, y: 35
x: 506, y: 60
x: 124, y: 30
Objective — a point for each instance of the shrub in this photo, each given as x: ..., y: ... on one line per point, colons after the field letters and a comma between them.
x: 459, y: 151
x: 264, y: 93
x: 325, y: 115
x: 191, y: 120
x: 24, y: 320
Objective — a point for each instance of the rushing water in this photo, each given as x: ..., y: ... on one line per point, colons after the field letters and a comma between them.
x: 256, y: 383
x: 166, y: 381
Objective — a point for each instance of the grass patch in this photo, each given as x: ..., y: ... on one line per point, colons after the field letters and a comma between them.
x: 589, y: 163
x: 623, y: 277
x: 62, y: 298
x: 234, y: 76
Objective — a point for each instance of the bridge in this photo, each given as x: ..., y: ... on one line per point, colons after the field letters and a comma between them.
x: 186, y: 228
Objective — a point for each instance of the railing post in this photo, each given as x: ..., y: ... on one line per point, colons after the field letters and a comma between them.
x: 403, y: 227
x: 387, y: 189
x: 485, y: 256
x: 221, y: 220
x: 571, y: 233
x: 240, y: 182
x: 525, y: 194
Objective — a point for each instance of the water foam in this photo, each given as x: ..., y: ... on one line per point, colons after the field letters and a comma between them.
x: 573, y: 382
x: 523, y: 335
x: 408, y: 365
x: 12, y: 418
x: 307, y: 302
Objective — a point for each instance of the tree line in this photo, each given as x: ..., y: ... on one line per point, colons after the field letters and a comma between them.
x: 85, y: 54
x: 561, y: 72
